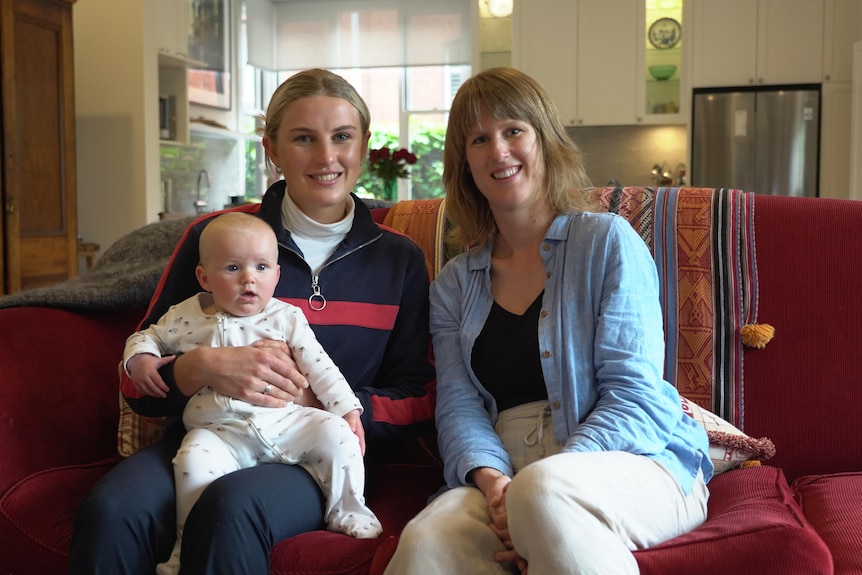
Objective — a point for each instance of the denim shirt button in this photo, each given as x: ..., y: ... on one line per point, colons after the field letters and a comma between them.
x: 546, y: 354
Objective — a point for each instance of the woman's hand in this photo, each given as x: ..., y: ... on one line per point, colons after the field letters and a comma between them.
x: 493, y: 485
x: 262, y: 374
x: 352, y: 419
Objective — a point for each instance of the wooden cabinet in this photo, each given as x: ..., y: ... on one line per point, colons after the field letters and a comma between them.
x: 742, y: 42
x: 39, y: 223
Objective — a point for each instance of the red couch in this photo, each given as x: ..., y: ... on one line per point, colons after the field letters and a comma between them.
x: 799, y: 512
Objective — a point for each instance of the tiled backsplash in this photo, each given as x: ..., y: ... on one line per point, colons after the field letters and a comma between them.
x: 627, y: 154
x: 222, y: 159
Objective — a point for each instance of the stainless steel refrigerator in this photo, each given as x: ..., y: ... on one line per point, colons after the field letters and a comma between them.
x: 762, y: 140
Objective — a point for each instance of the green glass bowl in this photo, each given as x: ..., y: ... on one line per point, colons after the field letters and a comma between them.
x: 662, y: 72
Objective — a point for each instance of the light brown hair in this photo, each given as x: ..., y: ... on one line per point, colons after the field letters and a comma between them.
x: 507, y: 94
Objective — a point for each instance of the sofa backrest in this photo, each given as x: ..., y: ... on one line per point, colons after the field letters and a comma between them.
x: 727, y: 259
x: 804, y: 389
x: 703, y: 308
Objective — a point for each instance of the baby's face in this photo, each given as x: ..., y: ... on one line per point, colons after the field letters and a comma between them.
x: 242, y: 272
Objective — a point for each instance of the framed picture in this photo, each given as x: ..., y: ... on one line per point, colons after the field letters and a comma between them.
x: 209, y: 43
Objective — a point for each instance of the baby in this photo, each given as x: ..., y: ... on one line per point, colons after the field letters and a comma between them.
x: 239, y: 271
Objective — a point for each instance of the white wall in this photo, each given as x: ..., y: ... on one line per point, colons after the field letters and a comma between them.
x: 117, y: 125
x: 856, y: 128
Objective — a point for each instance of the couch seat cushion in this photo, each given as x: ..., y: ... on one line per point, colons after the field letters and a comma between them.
x: 753, y: 526
x: 833, y: 505
x: 396, y: 493
x: 36, y: 517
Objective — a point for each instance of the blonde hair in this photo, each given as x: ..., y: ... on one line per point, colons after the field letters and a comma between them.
x: 506, y: 93
x: 236, y: 222
x: 305, y: 84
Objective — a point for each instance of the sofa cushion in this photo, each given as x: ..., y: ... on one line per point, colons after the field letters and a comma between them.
x: 753, y: 526
x: 37, y: 513
x: 396, y: 493
x: 36, y: 517
x: 833, y: 505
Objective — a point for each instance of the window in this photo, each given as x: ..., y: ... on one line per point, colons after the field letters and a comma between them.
x: 406, y: 58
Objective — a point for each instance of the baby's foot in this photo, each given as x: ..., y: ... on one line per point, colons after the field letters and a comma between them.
x: 356, y: 525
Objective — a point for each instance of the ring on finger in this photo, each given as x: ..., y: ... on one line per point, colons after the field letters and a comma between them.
x: 267, y: 389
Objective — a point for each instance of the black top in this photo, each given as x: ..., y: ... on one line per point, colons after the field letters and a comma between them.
x: 506, y: 356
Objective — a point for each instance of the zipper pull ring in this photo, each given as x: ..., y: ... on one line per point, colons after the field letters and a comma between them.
x: 316, y: 301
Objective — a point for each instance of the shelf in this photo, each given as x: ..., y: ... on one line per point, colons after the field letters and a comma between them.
x: 203, y: 129
x: 173, y: 61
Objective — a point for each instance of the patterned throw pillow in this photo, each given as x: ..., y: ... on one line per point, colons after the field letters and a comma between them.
x: 728, y: 446
x: 136, y: 431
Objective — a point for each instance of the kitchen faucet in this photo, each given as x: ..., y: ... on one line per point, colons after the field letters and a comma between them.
x: 201, y: 199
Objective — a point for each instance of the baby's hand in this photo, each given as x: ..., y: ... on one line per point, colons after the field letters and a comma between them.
x: 143, y: 370
x: 352, y: 419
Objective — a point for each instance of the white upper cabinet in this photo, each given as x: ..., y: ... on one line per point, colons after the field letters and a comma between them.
x: 585, y: 53
x: 842, y: 27
x: 544, y: 46
x: 607, y: 53
x: 174, y: 29
x: 741, y: 42
x: 592, y: 57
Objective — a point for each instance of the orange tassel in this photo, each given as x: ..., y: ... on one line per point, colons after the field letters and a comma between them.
x: 757, y: 334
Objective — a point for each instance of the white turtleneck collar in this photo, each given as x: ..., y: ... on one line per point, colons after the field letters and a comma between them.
x: 316, y: 241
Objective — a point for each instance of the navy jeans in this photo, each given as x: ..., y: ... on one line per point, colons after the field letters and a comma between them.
x: 127, y: 523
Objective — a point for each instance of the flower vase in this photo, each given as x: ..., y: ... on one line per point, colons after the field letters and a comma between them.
x: 390, y: 189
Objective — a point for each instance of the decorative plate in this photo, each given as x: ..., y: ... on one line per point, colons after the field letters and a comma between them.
x: 664, y: 33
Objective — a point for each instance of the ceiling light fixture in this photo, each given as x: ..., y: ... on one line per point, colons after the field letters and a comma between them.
x: 499, y: 8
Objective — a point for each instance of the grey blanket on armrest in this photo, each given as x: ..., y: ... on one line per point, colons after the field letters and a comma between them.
x: 124, y: 277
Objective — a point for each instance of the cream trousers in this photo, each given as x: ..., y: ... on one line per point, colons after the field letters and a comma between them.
x: 569, y: 513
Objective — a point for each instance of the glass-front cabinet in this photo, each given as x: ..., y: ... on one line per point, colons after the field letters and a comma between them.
x: 607, y: 62
x: 663, y: 75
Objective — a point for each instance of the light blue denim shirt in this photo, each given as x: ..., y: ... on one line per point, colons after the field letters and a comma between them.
x: 601, y: 345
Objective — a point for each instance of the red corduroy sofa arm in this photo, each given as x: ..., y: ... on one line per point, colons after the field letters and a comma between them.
x: 58, y: 387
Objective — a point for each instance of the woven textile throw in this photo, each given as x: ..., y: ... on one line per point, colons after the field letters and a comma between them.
x: 703, y: 245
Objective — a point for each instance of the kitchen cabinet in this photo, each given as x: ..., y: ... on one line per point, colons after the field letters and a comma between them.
x: 544, y: 46
x: 174, y: 29
x: 174, y: 62
x: 38, y: 174
x: 664, y: 99
x: 591, y: 59
x: 606, y: 48
x: 174, y: 91
x: 835, y: 135
x: 842, y: 27
x: 741, y: 42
